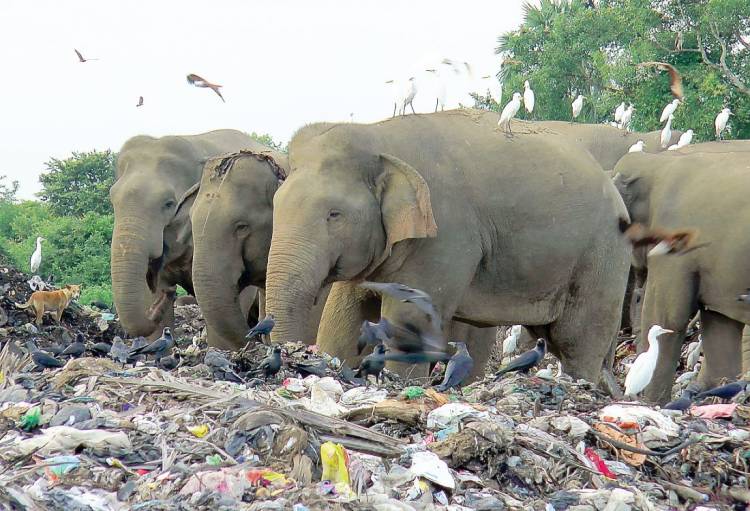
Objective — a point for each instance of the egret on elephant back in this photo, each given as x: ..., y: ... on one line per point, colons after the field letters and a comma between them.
x: 669, y: 110
x: 637, y: 147
x: 627, y: 117
x: 720, y: 123
x: 509, y: 112
x: 577, y: 106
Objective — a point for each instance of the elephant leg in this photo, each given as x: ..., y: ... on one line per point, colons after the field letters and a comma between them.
x: 670, y: 302
x: 346, y: 308
x: 479, y: 343
x: 721, y: 348
x: 745, y: 349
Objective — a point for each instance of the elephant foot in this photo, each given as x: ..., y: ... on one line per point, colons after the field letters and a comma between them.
x: 157, y: 309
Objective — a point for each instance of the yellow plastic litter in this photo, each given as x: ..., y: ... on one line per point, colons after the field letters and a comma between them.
x: 335, y: 461
x: 199, y: 431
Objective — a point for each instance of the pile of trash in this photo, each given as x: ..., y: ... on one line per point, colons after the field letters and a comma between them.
x: 215, y: 433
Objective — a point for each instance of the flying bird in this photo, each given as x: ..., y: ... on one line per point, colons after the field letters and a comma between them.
x: 196, y: 80
x: 637, y: 147
x: 372, y: 334
x: 509, y: 112
x: 36, y: 257
x: 157, y: 348
x: 80, y: 57
x: 140, y: 101
x: 721, y: 122
x: 528, y: 97
x: 619, y: 111
x: 406, y: 294
x: 675, y: 80
x: 458, y: 368
x: 372, y: 364
x: 577, y: 106
x: 525, y: 361
x: 665, y: 241
x: 669, y: 110
x: 642, y: 370
x: 666, y: 133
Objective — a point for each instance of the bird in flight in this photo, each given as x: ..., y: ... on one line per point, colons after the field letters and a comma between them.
x: 678, y: 241
x: 140, y: 101
x: 675, y: 80
x: 80, y: 57
x: 196, y: 80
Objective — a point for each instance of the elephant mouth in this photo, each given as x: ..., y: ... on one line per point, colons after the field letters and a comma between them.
x: 157, y: 309
x: 246, y: 279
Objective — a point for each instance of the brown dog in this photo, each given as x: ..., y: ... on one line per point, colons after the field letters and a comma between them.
x: 41, y: 301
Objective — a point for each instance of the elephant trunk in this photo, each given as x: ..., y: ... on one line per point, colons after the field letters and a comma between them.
x: 217, y: 292
x: 129, y: 262
x: 296, y: 271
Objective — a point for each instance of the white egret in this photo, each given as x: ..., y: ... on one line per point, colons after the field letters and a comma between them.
x: 577, y: 106
x: 694, y: 352
x: 619, y: 111
x: 627, y: 116
x: 669, y: 110
x: 509, y: 112
x: 528, y: 97
x: 642, y: 370
x: 673, y: 147
x: 440, y: 89
x: 36, y: 257
x: 666, y: 133
x: 689, y: 375
x: 685, y: 138
x: 410, y: 91
x: 546, y: 373
x: 637, y: 147
x: 721, y: 122
x: 510, y: 344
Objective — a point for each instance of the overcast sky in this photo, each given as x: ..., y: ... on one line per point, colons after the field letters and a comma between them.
x: 282, y: 63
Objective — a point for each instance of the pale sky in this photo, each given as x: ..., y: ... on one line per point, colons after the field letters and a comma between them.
x: 283, y: 63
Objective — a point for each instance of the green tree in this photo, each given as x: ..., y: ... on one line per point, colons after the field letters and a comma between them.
x: 268, y: 140
x: 565, y: 48
x: 79, y: 184
x: 8, y: 191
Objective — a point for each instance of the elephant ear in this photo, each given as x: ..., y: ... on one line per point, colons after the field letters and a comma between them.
x: 182, y: 214
x: 404, y: 201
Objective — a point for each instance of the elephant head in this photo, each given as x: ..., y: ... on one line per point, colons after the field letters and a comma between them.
x: 232, y: 220
x: 338, y: 218
x: 151, y: 246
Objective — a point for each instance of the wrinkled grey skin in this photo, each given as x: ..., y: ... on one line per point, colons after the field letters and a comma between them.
x: 497, y: 230
x: 703, y: 187
x: 606, y: 144
x: 232, y: 219
x: 151, y: 243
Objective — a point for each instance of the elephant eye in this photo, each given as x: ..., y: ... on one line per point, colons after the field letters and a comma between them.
x: 241, y: 229
x: 333, y: 214
x: 169, y: 204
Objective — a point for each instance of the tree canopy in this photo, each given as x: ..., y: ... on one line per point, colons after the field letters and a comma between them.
x: 570, y: 47
x: 79, y: 184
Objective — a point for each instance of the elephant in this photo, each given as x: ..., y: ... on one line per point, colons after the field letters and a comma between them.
x: 232, y: 219
x: 605, y: 143
x: 497, y: 230
x: 703, y: 187
x: 151, y: 243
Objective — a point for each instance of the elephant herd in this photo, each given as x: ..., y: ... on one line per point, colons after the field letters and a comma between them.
x: 498, y: 229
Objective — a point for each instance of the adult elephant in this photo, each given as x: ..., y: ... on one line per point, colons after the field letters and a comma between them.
x: 151, y: 243
x: 605, y: 143
x: 704, y: 187
x: 232, y: 218
x: 498, y: 230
